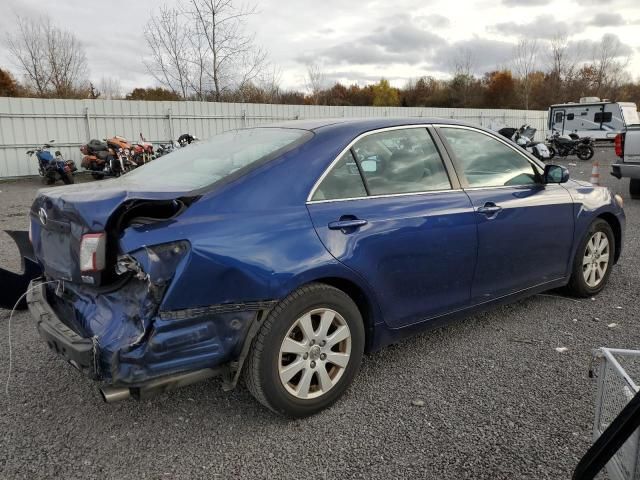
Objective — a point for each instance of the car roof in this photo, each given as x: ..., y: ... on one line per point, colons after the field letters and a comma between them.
x: 360, y: 123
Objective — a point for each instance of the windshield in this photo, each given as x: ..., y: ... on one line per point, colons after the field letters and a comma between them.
x: 202, y: 164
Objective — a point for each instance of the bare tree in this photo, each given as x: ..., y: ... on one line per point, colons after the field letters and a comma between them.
x: 110, y: 88
x: 202, y: 48
x: 315, y: 81
x: 67, y: 61
x: 169, y: 37
x: 463, y: 74
x: 234, y: 59
x: 609, y: 64
x: 525, y: 63
x: 29, y: 49
x: 52, y: 60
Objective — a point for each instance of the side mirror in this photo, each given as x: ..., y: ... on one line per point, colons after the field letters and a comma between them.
x: 555, y: 174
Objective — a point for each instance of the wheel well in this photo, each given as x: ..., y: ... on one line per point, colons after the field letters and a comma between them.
x: 359, y: 298
x: 617, y: 231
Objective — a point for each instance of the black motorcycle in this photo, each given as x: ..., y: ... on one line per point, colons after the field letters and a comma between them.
x: 572, y: 144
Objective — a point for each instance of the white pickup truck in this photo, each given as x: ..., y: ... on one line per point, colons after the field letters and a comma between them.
x: 627, y: 146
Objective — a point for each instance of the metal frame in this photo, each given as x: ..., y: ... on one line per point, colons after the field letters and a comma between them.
x: 608, y: 442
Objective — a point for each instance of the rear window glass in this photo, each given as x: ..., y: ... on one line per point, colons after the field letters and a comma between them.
x: 204, y: 163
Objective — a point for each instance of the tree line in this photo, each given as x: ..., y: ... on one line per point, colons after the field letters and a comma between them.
x: 201, y: 50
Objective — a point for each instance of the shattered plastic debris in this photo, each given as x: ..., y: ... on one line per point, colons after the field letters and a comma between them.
x: 573, y: 164
x: 612, y: 325
x: 619, y: 307
x: 417, y: 403
x: 561, y: 349
x: 575, y: 320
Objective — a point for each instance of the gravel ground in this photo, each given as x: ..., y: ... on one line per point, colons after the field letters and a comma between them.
x: 499, y: 401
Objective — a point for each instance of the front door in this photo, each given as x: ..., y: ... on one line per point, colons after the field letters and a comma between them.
x: 525, y: 227
x: 388, y: 210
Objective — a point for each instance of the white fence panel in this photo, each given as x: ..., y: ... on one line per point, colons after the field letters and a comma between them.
x: 29, y: 122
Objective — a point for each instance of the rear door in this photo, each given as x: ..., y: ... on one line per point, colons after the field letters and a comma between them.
x: 525, y: 227
x: 388, y: 209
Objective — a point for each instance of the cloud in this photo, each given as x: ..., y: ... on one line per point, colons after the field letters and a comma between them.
x: 543, y: 26
x: 399, y: 41
x: 525, y: 3
x: 434, y: 20
x: 485, y: 54
x: 607, y: 20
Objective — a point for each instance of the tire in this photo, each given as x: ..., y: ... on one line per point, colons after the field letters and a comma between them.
x: 552, y: 152
x: 98, y: 176
x: 634, y: 188
x: 585, y: 152
x: 67, y: 178
x: 266, y: 361
x: 578, y: 285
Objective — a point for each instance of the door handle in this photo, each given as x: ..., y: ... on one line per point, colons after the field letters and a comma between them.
x: 345, y: 224
x: 489, y: 209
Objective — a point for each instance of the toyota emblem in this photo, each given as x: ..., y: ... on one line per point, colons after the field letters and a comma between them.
x: 42, y: 215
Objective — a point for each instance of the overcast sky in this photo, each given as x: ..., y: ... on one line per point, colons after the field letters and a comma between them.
x: 351, y: 41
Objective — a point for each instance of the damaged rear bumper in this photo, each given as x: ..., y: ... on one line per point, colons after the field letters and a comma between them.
x: 77, y: 350
x: 175, y: 348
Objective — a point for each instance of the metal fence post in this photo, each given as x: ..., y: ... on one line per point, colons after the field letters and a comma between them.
x: 170, y: 118
x: 87, y: 123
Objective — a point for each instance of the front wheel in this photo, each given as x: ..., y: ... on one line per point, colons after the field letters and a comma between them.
x: 634, y: 188
x: 593, y: 260
x: 307, y: 351
x: 585, y: 152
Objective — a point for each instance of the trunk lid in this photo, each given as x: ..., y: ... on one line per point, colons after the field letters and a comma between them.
x: 61, y: 216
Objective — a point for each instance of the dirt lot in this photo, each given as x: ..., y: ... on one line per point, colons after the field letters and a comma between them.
x: 499, y: 401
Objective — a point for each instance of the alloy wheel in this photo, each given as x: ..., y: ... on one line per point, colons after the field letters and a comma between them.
x: 595, y: 261
x: 314, y: 353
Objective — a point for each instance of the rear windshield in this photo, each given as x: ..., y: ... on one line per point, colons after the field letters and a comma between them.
x: 203, y: 163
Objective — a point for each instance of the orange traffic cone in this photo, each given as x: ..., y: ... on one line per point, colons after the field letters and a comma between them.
x: 595, y: 174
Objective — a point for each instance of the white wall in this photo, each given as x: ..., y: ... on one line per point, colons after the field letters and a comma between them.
x: 29, y: 122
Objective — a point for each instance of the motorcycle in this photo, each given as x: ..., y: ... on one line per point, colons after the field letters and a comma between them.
x: 50, y: 167
x: 143, y: 152
x: 101, y: 160
x: 122, y: 149
x: 524, y: 136
x: 572, y: 144
x: 184, y: 140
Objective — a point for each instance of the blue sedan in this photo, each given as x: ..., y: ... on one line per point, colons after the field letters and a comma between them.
x: 283, y: 253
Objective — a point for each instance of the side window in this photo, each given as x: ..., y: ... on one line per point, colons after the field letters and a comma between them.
x: 401, y: 161
x: 487, y: 162
x: 570, y: 116
x: 343, y: 181
x: 558, y: 117
x: 602, y: 117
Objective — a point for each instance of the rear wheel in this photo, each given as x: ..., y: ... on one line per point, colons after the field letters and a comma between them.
x: 307, y: 352
x: 593, y: 260
x: 634, y: 188
x: 585, y: 152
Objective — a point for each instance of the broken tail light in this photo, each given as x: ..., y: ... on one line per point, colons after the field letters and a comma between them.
x: 93, y: 248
